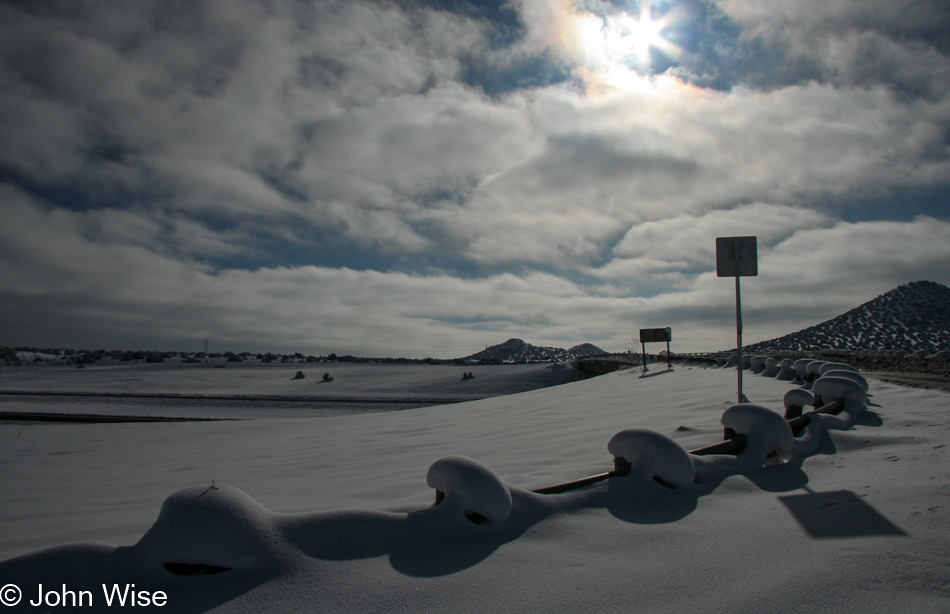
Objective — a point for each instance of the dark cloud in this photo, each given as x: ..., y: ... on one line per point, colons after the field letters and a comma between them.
x: 900, y: 45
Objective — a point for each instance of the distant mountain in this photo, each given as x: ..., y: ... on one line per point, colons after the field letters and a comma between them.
x: 585, y: 349
x: 913, y: 317
x: 517, y: 351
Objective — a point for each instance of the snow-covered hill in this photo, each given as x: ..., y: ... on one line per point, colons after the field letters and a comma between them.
x: 914, y: 317
x: 517, y: 351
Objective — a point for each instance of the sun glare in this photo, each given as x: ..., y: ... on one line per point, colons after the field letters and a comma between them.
x: 618, y: 47
x: 626, y: 36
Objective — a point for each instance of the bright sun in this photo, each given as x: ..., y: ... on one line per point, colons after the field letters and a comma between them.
x: 624, y: 40
x: 626, y: 36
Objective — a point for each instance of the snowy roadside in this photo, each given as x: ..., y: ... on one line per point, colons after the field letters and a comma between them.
x: 860, y: 521
x: 917, y: 380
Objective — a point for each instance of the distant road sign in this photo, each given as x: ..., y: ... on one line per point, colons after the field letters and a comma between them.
x: 737, y: 257
x: 652, y: 335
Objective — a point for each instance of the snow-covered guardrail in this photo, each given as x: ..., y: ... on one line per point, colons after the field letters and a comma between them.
x: 837, y: 392
x: 920, y: 362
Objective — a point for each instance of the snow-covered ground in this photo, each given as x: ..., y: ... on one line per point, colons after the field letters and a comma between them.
x: 333, y: 513
x: 255, y: 390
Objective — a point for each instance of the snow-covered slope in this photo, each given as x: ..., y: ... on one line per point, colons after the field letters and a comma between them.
x: 913, y: 317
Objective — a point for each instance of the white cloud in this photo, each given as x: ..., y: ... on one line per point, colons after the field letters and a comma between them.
x: 857, y: 43
x: 350, y: 119
x: 830, y: 16
x: 608, y: 166
x: 114, y: 294
x: 688, y: 237
x: 852, y: 259
x: 155, y: 142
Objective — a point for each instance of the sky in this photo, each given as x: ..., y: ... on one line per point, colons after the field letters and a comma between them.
x: 428, y: 177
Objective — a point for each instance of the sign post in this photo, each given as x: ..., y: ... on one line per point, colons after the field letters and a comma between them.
x: 650, y: 335
x: 737, y: 257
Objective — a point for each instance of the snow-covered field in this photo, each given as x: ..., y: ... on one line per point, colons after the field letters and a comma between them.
x: 331, y: 511
x: 256, y: 390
